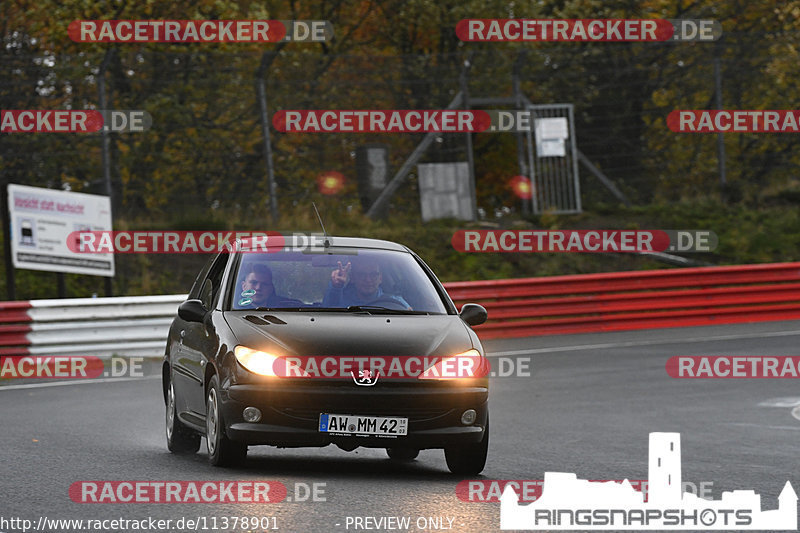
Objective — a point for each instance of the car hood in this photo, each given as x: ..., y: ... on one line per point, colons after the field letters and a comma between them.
x: 349, y: 334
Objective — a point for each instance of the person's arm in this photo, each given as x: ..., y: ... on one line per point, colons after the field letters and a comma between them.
x: 404, y: 303
x: 339, y: 278
x: 401, y: 301
x: 333, y: 296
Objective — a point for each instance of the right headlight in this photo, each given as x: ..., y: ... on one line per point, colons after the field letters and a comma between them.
x: 466, y: 365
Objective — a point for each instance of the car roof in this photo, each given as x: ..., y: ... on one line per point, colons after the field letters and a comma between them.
x: 339, y: 242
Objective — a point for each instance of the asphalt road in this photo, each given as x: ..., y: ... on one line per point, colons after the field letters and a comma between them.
x: 587, y: 408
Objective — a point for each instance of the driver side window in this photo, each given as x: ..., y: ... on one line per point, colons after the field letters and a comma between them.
x: 211, y: 286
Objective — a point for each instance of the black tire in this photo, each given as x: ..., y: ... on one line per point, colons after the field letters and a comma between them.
x: 221, y: 450
x: 180, y: 439
x: 469, y: 459
x: 402, y: 454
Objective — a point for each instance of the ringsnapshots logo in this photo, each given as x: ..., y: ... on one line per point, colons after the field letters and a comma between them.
x: 569, y: 503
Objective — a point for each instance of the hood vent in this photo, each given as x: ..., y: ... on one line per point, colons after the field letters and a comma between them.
x: 264, y: 321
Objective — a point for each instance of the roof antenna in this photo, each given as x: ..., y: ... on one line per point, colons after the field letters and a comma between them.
x: 327, y: 242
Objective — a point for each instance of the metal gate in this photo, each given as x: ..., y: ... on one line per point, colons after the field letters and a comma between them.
x: 553, y: 160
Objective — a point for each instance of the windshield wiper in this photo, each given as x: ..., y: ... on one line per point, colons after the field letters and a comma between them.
x: 385, y: 310
x: 280, y: 309
x: 369, y: 309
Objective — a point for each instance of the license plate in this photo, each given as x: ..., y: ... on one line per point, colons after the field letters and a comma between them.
x: 363, y: 425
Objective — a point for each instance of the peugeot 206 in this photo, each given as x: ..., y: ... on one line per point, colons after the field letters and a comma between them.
x: 352, y: 342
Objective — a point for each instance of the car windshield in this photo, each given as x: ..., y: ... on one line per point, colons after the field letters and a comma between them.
x: 352, y: 280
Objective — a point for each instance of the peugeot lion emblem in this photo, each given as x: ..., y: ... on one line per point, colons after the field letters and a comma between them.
x: 366, y: 378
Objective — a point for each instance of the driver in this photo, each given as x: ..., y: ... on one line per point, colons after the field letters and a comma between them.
x: 364, y: 287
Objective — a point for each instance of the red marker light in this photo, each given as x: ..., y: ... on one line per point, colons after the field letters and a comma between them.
x: 330, y: 183
x: 522, y: 187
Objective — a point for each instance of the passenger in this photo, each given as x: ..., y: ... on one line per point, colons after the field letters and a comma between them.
x: 258, y: 290
x: 364, y: 286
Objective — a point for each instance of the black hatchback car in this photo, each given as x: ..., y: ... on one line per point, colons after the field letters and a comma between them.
x: 353, y: 343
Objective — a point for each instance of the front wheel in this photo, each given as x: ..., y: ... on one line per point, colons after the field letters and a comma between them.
x: 221, y: 450
x: 180, y: 439
x: 470, y: 459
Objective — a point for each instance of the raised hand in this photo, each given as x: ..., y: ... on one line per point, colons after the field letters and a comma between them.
x: 340, y: 276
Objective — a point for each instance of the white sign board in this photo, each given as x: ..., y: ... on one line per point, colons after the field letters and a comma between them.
x: 444, y: 191
x: 41, y: 221
x: 550, y: 136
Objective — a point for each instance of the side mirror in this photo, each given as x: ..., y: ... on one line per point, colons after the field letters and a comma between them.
x: 473, y: 314
x: 192, y: 311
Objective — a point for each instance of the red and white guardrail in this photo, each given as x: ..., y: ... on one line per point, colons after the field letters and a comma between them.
x: 129, y: 325
x: 138, y: 325
x: 634, y: 300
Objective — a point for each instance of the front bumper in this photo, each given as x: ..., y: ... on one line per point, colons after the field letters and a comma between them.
x: 290, y: 413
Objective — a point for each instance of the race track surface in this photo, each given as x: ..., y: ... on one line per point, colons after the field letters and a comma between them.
x: 587, y: 408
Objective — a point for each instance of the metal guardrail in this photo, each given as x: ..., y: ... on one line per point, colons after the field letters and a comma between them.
x: 138, y: 325
x: 130, y: 325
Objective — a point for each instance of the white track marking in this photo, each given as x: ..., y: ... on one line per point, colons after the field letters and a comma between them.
x: 781, y: 402
x: 88, y: 381
x: 762, y: 426
x: 645, y: 343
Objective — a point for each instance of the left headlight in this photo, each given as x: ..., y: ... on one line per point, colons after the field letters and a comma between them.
x: 466, y: 365
x: 256, y: 361
x: 268, y: 364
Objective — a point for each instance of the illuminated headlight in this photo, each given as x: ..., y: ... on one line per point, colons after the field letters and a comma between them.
x: 256, y: 361
x: 469, y: 364
x: 267, y: 364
